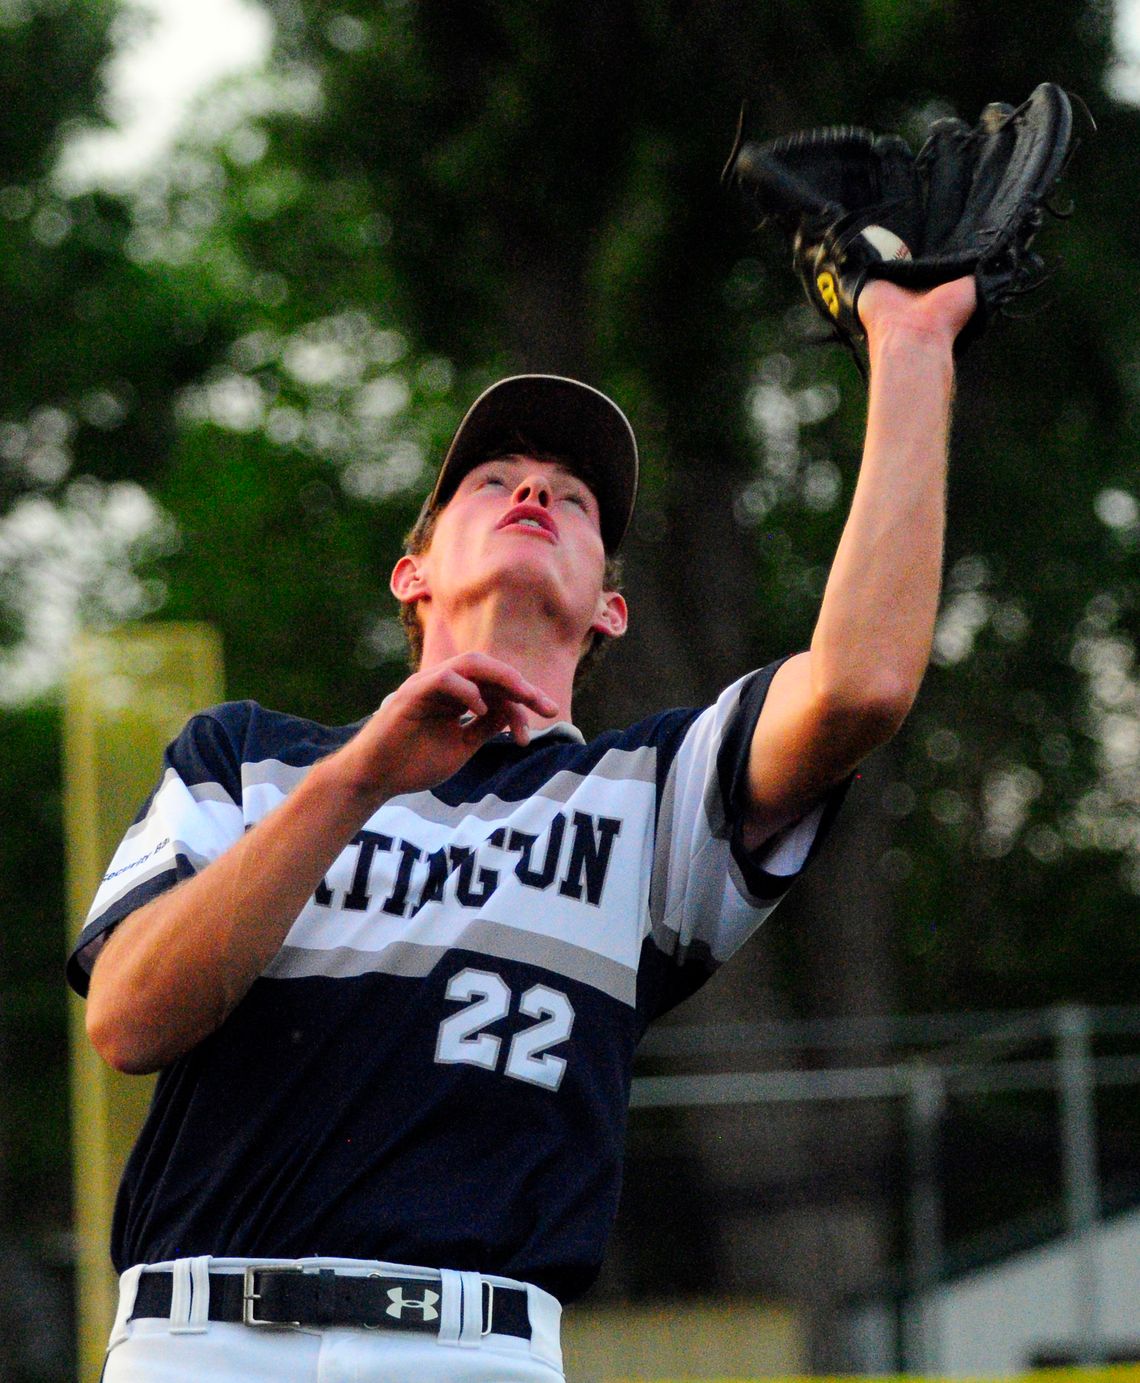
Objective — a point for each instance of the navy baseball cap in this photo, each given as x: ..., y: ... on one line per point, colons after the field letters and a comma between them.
x: 562, y: 417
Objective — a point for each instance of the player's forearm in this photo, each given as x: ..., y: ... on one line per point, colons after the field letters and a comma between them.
x: 872, y: 640
x: 172, y: 971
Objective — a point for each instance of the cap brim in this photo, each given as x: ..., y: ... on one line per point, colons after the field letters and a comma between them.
x: 559, y: 416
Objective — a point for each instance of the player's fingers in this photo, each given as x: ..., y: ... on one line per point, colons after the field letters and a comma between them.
x: 460, y: 693
x: 505, y: 718
x: 962, y: 296
x: 524, y: 693
x: 505, y: 714
x: 500, y: 713
x: 492, y: 674
x: 517, y: 724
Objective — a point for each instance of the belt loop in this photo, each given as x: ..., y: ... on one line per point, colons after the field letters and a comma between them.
x: 451, y: 1307
x: 545, y: 1312
x: 197, y: 1321
x: 472, y: 1333
x: 179, y: 1295
x: 128, y: 1288
x: 326, y: 1296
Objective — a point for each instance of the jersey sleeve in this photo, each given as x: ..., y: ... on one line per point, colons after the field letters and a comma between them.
x: 193, y: 815
x: 709, y: 893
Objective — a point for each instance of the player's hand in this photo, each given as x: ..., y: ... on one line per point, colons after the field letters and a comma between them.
x: 432, y: 724
x: 938, y: 314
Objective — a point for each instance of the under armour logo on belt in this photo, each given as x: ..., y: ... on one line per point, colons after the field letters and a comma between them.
x: 400, y: 1302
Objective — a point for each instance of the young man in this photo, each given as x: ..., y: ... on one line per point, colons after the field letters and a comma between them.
x: 393, y: 975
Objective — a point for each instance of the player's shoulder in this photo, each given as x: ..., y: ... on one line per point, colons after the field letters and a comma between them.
x: 666, y: 729
x: 707, y: 730
x: 654, y: 731
x: 642, y: 751
x: 645, y: 738
x: 241, y: 732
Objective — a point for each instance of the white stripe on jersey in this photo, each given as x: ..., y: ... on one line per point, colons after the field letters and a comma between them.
x: 572, y: 878
x: 198, y: 822
x: 698, y: 894
x: 596, y: 943
x: 415, y: 960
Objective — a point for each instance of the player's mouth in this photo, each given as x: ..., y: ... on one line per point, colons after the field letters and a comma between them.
x: 530, y: 518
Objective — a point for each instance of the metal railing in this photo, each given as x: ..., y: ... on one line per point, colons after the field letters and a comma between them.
x: 928, y: 1058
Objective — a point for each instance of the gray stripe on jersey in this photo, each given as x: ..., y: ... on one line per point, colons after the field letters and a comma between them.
x: 414, y: 960
x: 273, y: 773
x: 345, y: 962
x: 200, y: 792
x: 163, y: 865
x: 686, y: 856
x: 210, y: 792
x: 714, y: 804
x: 616, y: 765
x: 659, y: 877
x: 738, y: 882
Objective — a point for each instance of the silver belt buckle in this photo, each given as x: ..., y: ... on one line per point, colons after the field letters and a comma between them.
x: 250, y: 1296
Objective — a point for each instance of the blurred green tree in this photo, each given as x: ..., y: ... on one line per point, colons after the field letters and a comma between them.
x: 236, y: 377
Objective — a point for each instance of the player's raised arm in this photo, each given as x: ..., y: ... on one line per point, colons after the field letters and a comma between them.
x: 828, y: 708
x: 173, y: 970
x: 868, y: 218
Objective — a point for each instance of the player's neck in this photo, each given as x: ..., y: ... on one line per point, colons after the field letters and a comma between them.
x: 532, y: 647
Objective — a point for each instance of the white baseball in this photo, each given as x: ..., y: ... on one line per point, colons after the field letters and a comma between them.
x: 885, y: 243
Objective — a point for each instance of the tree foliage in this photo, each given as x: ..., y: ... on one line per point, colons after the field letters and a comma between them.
x: 231, y: 383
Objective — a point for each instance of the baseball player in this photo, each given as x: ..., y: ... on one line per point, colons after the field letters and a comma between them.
x: 392, y: 975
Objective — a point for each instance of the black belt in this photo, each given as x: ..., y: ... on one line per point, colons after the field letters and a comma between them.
x: 296, y: 1297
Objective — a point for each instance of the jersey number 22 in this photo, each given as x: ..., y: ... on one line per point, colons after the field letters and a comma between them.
x: 488, y: 998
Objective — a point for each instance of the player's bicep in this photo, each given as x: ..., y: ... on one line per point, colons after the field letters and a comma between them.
x: 801, y: 748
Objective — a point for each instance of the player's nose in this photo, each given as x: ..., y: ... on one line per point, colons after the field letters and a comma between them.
x: 533, y: 489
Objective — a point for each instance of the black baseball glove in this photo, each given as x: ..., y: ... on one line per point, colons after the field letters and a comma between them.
x: 859, y: 206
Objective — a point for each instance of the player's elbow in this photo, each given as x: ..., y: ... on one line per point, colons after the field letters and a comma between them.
x: 867, y: 715
x: 117, y: 1021
x: 887, y: 702
x: 111, y: 1038
x: 119, y: 1041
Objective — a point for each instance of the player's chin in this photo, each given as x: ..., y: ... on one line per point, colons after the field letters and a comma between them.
x: 561, y: 598
x: 532, y: 559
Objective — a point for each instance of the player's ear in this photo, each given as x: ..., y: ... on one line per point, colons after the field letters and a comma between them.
x: 612, y: 615
x: 408, y: 581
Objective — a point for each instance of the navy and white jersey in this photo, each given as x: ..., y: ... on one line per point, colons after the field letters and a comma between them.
x: 435, y: 1066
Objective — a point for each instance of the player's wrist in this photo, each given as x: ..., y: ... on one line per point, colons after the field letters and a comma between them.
x: 900, y: 343
x: 356, y: 778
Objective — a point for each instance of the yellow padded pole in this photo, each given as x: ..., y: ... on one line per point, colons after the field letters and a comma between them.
x: 127, y: 694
